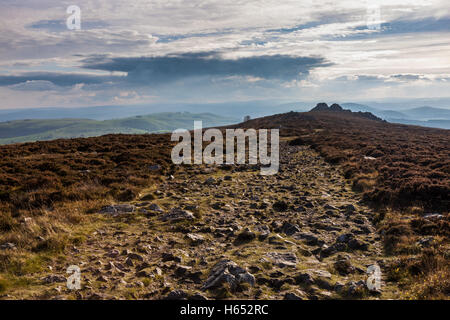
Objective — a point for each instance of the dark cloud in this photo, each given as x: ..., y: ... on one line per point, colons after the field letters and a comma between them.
x: 207, y: 64
x: 59, y: 79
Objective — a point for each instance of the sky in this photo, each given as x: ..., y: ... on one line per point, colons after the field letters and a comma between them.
x: 164, y: 51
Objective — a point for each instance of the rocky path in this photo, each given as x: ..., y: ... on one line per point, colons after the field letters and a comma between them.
x: 226, y: 232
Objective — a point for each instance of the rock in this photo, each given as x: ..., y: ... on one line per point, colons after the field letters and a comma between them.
x: 155, y: 207
x: 356, y: 289
x: 356, y: 244
x: 264, y: 232
x: 113, y: 253
x: 345, y: 238
x: 343, y: 265
x: 129, y: 262
x: 310, y: 239
x: 433, y: 216
x: 135, y: 256
x: 280, y: 206
x: 349, y: 208
x: 297, y: 295
x: 210, y: 181
x: 330, y: 207
x: 246, y: 235
x: 154, y: 167
x: 54, y: 278
x: 182, y: 270
x: 177, y: 214
x: 102, y: 279
x: 425, y: 242
x: 227, y: 271
x: 199, y: 297
x: 170, y: 257
x: 304, y: 278
x: 176, y: 295
x: 8, y: 246
x: 118, y: 209
x: 326, y: 251
x: 195, y: 238
x: 282, y: 260
x: 289, y: 229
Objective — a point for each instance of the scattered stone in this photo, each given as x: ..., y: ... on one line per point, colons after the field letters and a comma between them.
x: 280, y: 206
x: 227, y: 271
x: 177, y: 214
x: 297, y: 295
x: 54, y: 278
x: 135, y: 256
x: 356, y: 244
x: 310, y: 239
x: 289, y: 228
x: 170, y: 257
x: 210, y: 181
x: 282, y: 260
x: 154, y: 167
x: 118, y: 209
x: 343, y: 265
x: 155, y: 207
x: 195, y: 238
x: 8, y: 246
x: 246, y: 235
x: 425, y: 242
x: 176, y: 295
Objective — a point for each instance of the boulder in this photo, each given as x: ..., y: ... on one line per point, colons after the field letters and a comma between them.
x: 227, y: 271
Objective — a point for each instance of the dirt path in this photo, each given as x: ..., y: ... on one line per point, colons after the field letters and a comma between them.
x: 299, y: 234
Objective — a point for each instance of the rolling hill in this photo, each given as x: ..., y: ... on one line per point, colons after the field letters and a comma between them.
x: 48, y: 129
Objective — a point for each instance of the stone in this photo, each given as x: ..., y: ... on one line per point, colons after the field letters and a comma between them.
x: 345, y: 238
x: 246, y: 235
x: 177, y: 214
x: 54, y: 278
x: 155, y: 207
x: 154, y: 167
x: 282, y: 260
x: 8, y: 246
x: 289, y: 228
x: 343, y: 265
x: 210, y: 181
x: 227, y: 271
x: 176, y: 295
x: 356, y: 244
x: 118, y: 209
x: 170, y: 257
x: 310, y: 239
x: 297, y: 295
x: 135, y: 256
x: 195, y: 238
x: 280, y: 206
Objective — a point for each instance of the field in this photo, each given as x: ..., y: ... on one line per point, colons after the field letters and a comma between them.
x: 402, y: 171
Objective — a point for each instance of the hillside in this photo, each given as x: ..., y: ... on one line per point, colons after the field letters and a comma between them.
x: 49, y: 129
x: 352, y: 191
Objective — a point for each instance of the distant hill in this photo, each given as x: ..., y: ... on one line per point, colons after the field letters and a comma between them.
x: 421, y: 116
x: 49, y: 129
x: 428, y: 113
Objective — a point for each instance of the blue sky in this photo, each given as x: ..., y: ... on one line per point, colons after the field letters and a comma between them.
x: 217, y: 51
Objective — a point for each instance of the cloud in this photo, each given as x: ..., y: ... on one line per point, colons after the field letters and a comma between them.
x: 33, y: 79
x: 163, y: 69
x: 60, y: 25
